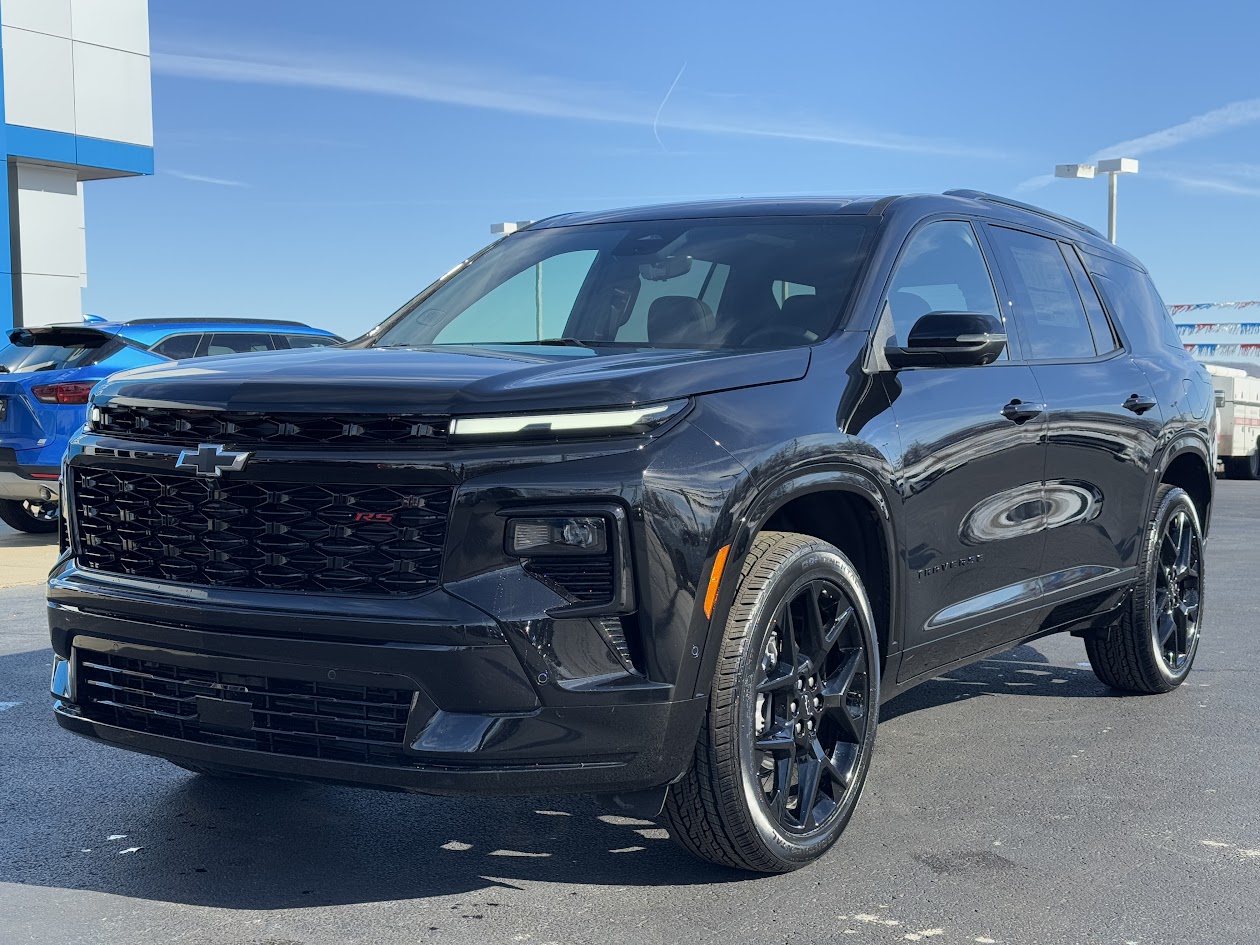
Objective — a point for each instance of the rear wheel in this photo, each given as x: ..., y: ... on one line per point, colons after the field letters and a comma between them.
x: 30, y: 515
x: 1152, y: 647
x: 787, y: 741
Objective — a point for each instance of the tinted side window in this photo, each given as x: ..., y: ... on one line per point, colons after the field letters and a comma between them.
x: 1049, y: 307
x: 223, y: 342
x: 177, y: 347
x: 940, y: 270
x: 1105, y: 339
x: 309, y: 341
x: 1133, y: 299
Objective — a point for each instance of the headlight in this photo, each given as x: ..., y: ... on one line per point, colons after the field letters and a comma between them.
x: 620, y: 420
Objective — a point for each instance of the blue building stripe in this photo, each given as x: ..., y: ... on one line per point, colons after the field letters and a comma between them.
x: 40, y: 144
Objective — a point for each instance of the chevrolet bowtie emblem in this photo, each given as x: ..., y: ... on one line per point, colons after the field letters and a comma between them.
x: 211, y: 460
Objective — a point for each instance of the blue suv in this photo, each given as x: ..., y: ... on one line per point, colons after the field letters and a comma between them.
x: 47, y: 374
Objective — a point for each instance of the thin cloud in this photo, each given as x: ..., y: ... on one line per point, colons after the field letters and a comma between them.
x: 1034, y: 183
x: 1202, y: 183
x: 1218, y: 120
x: 203, y: 179
x: 532, y: 95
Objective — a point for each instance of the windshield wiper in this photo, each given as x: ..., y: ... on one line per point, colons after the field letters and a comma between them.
x: 560, y: 342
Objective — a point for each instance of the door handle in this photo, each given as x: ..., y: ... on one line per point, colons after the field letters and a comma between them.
x: 1021, y: 411
x: 1139, y: 403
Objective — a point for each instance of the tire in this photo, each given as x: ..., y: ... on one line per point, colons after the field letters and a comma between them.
x: 783, y: 753
x: 28, y: 515
x: 1152, y: 647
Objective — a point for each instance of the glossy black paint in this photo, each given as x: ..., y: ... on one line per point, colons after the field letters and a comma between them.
x: 983, y: 505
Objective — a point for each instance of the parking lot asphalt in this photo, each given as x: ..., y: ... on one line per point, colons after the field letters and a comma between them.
x: 1015, y: 801
x: 25, y: 559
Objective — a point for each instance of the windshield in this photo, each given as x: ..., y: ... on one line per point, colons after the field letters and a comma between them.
x: 725, y: 283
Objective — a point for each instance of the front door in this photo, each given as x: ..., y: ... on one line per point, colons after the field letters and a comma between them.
x: 970, y: 468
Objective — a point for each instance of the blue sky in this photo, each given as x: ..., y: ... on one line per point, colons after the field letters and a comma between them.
x: 323, y: 161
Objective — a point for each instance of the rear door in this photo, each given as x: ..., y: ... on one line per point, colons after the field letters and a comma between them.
x: 970, y: 468
x: 1103, y: 416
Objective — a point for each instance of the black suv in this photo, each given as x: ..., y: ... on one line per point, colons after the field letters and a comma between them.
x: 658, y: 504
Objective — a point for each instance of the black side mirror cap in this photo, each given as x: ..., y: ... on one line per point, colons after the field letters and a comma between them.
x: 954, y: 339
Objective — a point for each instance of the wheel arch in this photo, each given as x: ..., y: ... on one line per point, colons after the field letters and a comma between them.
x: 1187, y: 465
x: 838, y: 503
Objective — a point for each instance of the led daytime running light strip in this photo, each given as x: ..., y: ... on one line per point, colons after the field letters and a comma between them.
x: 620, y: 419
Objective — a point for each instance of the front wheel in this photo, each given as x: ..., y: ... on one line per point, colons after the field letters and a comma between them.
x: 787, y: 740
x: 1152, y: 647
x: 30, y: 515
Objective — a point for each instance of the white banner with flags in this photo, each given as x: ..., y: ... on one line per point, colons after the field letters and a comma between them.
x: 1210, y: 338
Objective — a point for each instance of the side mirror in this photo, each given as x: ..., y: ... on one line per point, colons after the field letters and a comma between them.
x: 1220, y: 394
x: 941, y: 339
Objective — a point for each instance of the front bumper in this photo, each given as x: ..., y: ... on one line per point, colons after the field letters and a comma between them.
x: 466, y: 719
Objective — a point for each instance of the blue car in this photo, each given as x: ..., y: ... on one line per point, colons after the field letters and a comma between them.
x: 47, y: 374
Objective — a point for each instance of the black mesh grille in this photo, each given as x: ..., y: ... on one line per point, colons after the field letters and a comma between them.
x: 589, y: 580
x: 235, y: 428
x: 282, y: 716
x: 334, y: 539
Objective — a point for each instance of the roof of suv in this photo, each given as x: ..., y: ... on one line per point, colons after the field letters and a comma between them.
x: 149, y: 331
x: 972, y: 202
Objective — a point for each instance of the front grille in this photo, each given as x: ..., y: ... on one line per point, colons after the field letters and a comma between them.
x: 588, y: 580
x: 281, y: 716
x: 282, y: 536
x: 247, y: 428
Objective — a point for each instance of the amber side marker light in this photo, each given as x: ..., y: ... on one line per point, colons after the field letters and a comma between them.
x: 715, y: 579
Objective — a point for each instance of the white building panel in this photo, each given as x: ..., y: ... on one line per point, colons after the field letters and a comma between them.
x: 112, y: 94
x: 50, y: 299
x: 50, y: 219
x: 117, y: 24
x: 39, y: 80
x: 40, y: 16
x: 82, y: 240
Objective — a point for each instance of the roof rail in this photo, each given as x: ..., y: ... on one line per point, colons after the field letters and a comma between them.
x: 182, y: 319
x: 1019, y: 205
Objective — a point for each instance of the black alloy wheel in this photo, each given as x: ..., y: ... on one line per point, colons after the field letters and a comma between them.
x: 1151, y: 647
x: 31, y: 515
x: 787, y: 741
x: 810, y: 715
x: 1175, y: 627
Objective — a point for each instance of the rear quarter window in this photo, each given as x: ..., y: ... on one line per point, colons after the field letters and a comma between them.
x: 309, y: 341
x: 1133, y: 300
x: 178, y: 347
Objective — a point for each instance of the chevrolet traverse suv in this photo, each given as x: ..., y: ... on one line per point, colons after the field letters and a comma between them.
x: 658, y: 504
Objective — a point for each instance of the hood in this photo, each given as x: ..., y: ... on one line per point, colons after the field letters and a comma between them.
x: 448, y: 380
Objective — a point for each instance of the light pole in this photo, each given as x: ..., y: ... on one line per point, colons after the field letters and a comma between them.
x: 503, y: 229
x: 1113, y: 168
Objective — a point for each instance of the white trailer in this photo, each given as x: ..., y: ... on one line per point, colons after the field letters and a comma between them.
x: 1238, y: 414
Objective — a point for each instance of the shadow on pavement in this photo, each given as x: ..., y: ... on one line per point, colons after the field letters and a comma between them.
x: 251, y: 843
x: 1021, y: 671
x: 258, y: 844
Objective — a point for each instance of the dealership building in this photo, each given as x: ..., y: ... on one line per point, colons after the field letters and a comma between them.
x: 76, y: 109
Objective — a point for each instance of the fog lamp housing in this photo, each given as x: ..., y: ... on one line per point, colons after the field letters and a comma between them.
x: 557, y: 535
